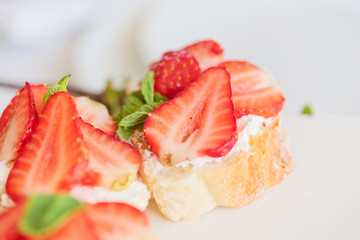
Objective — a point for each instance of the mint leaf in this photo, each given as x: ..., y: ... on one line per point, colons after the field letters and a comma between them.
x: 126, y: 132
x: 147, y: 87
x: 160, y: 98
x: 45, y: 214
x: 307, y: 110
x: 139, y: 116
x: 59, y: 87
x: 137, y: 107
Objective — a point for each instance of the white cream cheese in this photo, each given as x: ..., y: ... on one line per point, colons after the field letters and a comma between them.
x: 5, y: 201
x: 136, y: 195
x: 248, y: 126
x: 4, y: 173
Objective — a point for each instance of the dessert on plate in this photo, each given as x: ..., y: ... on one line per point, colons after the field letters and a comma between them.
x: 214, y: 138
x: 54, y: 143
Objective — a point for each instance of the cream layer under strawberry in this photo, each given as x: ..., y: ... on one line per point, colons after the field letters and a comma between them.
x: 250, y: 125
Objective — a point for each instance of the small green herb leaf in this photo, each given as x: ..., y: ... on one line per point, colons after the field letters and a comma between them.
x: 307, y: 110
x: 45, y: 214
x: 147, y: 87
x: 139, y: 116
x: 160, y: 98
x: 59, y: 87
x: 137, y: 107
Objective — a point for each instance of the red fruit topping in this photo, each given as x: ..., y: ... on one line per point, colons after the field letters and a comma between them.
x: 208, y: 53
x: 9, y: 222
x: 105, y: 221
x: 113, y: 160
x: 16, y: 123
x: 96, y: 114
x: 253, y: 91
x: 53, y: 159
x: 77, y: 227
x: 114, y: 221
x: 174, y: 72
x: 198, y: 122
x: 39, y: 92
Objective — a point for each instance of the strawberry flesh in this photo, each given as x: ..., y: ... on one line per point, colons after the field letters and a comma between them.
x: 253, y: 91
x: 208, y: 53
x: 55, y: 156
x: 9, y: 221
x: 77, y: 227
x: 39, y: 92
x: 174, y: 72
x: 119, y: 221
x: 198, y: 122
x: 96, y: 114
x: 16, y: 123
x: 109, y: 158
x: 106, y: 221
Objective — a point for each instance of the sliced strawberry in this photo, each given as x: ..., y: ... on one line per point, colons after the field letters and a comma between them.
x: 96, y: 114
x: 198, y: 122
x: 77, y: 227
x: 112, y: 160
x: 9, y: 222
x: 174, y: 72
x: 208, y: 53
x: 39, y: 92
x: 16, y: 123
x: 54, y: 157
x: 253, y: 91
x: 114, y: 221
x: 91, y: 111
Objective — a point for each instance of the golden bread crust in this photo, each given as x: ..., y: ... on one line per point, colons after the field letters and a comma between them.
x: 186, y: 192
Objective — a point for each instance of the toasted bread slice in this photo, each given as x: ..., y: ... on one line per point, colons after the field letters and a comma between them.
x: 186, y: 191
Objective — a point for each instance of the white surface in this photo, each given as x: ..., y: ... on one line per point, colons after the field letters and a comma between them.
x: 319, y: 200
x: 310, y: 46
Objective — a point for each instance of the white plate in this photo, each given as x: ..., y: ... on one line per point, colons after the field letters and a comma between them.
x: 319, y: 200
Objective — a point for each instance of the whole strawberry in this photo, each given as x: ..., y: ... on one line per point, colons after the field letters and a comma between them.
x: 174, y: 72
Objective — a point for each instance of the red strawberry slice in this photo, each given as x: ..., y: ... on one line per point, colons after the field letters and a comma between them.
x: 39, y: 92
x: 77, y: 227
x: 9, y: 222
x: 198, y: 122
x: 114, y: 221
x: 96, y: 114
x: 174, y: 72
x: 54, y: 157
x: 91, y: 111
x: 253, y: 91
x: 112, y: 160
x: 208, y: 53
x: 16, y: 123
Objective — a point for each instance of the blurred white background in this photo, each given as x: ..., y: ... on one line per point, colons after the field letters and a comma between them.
x: 311, y: 47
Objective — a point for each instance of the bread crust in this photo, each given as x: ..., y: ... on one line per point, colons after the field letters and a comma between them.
x: 184, y: 193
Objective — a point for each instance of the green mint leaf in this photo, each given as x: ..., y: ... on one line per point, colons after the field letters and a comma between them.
x: 59, y: 87
x: 147, y: 87
x: 139, y: 116
x: 138, y: 106
x: 127, y: 132
x: 307, y: 110
x: 160, y: 98
x: 45, y: 214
